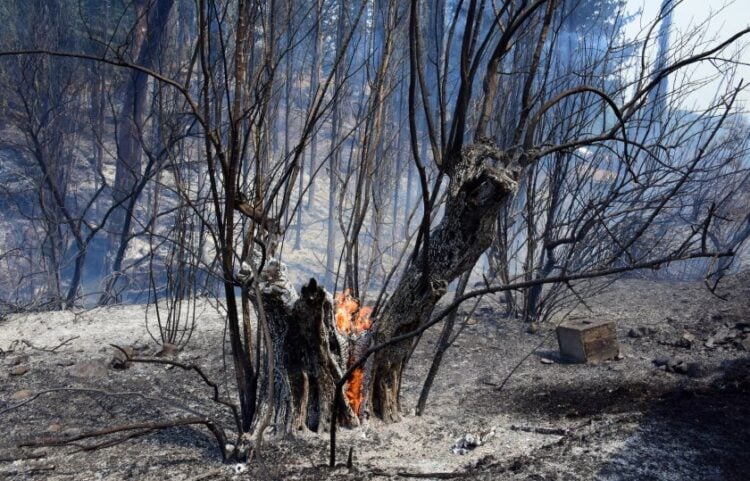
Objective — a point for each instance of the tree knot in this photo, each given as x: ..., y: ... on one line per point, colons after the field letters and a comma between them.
x: 438, y: 287
x: 484, y: 149
x: 491, y: 184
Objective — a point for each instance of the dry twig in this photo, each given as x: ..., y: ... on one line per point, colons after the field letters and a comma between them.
x: 49, y: 349
x: 188, y: 367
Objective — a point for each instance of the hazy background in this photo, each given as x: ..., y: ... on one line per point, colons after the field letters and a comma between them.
x: 717, y: 19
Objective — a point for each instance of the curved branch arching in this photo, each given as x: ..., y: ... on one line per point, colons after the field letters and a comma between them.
x: 531, y: 131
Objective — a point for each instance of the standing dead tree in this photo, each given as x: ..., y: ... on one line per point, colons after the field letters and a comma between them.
x: 147, y: 38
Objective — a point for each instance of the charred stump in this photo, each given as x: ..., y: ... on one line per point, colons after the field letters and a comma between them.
x: 311, y: 354
x: 316, y: 343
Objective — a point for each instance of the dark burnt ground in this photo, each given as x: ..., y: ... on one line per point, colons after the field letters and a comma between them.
x: 696, y: 433
x: 631, y: 420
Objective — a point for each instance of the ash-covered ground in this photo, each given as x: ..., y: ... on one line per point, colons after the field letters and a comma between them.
x: 676, y: 406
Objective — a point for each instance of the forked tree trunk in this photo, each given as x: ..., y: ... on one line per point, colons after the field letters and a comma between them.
x: 480, y: 181
x: 311, y: 354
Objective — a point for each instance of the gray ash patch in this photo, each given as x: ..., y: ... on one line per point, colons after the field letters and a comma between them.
x: 618, y: 420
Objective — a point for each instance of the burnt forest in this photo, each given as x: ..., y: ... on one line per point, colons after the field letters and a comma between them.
x: 373, y: 240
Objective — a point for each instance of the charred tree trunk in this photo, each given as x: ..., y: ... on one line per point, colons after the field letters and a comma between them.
x: 310, y: 353
x: 481, y: 179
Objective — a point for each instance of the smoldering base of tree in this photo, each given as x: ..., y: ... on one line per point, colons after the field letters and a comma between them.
x: 310, y: 353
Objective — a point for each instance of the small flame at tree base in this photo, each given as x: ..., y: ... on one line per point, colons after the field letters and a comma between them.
x: 352, y: 320
x: 354, y: 388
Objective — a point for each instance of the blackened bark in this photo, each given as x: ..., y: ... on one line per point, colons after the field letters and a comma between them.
x: 310, y: 355
x: 481, y: 179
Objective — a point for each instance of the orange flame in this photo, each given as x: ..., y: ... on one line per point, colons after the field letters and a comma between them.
x: 354, y: 391
x: 350, y: 318
x: 353, y: 319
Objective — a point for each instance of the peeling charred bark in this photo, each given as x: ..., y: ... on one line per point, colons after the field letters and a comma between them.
x: 309, y: 352
x: 481, y: 179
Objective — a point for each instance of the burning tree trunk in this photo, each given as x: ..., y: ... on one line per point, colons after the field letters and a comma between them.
x: 354, y: 322
x: 481, y: 179
x: 312, y: 349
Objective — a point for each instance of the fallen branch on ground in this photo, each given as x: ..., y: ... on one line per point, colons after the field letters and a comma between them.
x: 49, y: 349
x: 188, y: 367
x: 142, y: 428
x: 552, y: 431
x: 32, y: 470
x: 435, y: 475
x: 75, y: 389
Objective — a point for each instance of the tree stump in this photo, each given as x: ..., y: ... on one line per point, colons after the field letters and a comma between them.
x: 310, y: 353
